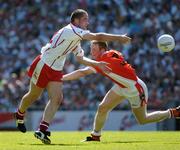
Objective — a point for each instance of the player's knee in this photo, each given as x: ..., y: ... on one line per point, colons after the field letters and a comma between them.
x: 57, y: 100
x: 103, y: 108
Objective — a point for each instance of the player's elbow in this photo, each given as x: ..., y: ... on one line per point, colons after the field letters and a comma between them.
x: 95, y: 36
x: 99, y: 37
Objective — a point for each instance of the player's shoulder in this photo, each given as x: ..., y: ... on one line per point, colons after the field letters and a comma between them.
x: 72, y: 28
x: 76, y: 30
x: 69, y: 28
x: 111, y: 53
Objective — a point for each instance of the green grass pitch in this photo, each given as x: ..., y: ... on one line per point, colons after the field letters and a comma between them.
x: 110, y: 141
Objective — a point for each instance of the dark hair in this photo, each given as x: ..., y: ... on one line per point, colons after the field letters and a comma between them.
x: 77, y: 14
x: 101, y: 44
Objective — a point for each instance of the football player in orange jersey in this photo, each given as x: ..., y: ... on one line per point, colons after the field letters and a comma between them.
x: 126, y: 86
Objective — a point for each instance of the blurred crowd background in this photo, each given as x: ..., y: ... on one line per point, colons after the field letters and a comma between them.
x: 26, y: 25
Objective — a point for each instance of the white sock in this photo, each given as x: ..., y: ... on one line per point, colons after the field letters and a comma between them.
x: 96, y: 133
x: 169, y: 113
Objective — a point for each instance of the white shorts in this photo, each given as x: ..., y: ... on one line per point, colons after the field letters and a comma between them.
x: 137, y: 96
x: 41, y: 74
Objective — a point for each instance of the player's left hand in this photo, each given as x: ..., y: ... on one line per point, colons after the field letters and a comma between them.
x: 104, y: 67
x: 125, y: 39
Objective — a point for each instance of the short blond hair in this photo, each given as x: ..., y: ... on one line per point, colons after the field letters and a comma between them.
x: 101, y: 44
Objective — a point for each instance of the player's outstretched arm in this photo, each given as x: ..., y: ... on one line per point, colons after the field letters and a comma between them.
x: 107, y: 37
x: 77, y: 74
x: 89, y: 62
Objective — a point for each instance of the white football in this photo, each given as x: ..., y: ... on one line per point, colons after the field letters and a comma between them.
x: 166, y: 43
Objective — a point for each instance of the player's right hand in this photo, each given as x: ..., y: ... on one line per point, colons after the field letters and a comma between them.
x: 104, y: 66
x: 125, y: 39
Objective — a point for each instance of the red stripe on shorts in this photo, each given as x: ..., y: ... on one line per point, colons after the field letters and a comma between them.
x: 33, y: 65
x: 47, y: 74
x: 141, y: 94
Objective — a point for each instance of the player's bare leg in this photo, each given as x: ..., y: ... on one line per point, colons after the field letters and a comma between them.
x: 33, y: 94
x: 110, y: 101
x: 143, y: 117
x: 55, y: 98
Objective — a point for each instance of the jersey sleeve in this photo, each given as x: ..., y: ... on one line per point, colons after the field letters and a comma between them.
x: 84, y: 32
x: 79, y: 51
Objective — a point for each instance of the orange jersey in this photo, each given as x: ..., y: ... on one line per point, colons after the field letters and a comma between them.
x: 122, y: 73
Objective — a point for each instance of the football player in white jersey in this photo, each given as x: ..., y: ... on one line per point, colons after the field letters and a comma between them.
x: 46, y: 70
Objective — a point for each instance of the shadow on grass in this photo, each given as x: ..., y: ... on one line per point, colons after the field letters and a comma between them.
x: 121, y: 142
x: 83, y: 143
x: 53, y: 144
x: 107, y: 142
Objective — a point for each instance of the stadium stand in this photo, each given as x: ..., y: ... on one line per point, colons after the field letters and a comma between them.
x: 27, y: 25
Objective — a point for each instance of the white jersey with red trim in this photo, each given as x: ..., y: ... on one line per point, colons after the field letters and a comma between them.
x: 65, y: 41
